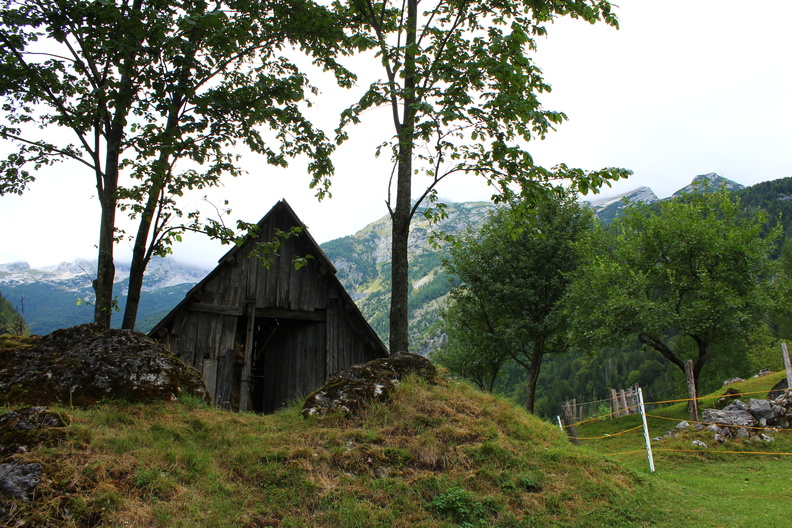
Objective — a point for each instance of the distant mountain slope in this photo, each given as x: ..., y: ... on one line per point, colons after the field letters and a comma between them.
x: 363, y: 263
x: 608, y: 209
x: 709, y: 181
x: 59, y: 296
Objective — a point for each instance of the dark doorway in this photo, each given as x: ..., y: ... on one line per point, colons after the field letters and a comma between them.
x: 287, y: 362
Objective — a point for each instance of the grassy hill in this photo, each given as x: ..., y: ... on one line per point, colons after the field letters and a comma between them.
x: 437, y: 456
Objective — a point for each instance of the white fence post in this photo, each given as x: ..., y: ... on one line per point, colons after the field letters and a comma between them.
x: 787, y: 365
x: 646, y: 431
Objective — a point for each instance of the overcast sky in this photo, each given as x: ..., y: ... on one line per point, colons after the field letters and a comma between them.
x: 685, y: 87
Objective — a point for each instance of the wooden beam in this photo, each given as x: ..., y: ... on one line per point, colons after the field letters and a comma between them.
x: 280, y: 313
x: 216, y: 309
x: 245, y: 385
x: 301, y: 315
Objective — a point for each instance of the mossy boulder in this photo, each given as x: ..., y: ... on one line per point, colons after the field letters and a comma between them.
x: 25, y: 429
x: 85, y: 364
x: 353, y: 388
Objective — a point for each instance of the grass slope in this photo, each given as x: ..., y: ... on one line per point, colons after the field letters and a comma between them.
x: 740, y: 483
x: 437, y: 456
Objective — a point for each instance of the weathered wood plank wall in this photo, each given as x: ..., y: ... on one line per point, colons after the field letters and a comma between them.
x: 325, y: 331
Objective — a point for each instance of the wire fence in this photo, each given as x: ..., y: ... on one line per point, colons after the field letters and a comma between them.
x: 640, y: 408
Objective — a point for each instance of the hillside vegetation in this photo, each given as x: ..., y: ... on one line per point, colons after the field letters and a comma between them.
x: 437, y: 456
x: 11, y: 321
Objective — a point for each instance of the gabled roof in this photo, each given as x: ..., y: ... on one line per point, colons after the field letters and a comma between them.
x: 318, y: 255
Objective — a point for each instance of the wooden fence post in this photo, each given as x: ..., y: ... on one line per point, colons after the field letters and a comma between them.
x: 623, y: 398
x: 693, y: 402
x: 569, y: 417
x: 787, y: 365
x: 614, y: 404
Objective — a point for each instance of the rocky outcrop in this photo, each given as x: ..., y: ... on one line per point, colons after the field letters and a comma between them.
x: 25, y: 429
x: 85, y: 364
x: 740, y: 420
x: 17, y: 481
x: 354, y: 388
x: 21, y: 431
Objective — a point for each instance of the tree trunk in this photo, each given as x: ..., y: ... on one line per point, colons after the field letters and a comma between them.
x: 107, y: 186
x: 136, y: 271
x: 533, y: 377
x: 141, y: 251
x: 400, y: 232
x: 401, y: 215
x: 703, y: 356
x: 105, y: 268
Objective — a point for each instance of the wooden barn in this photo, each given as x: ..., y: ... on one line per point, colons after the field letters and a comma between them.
x: 263, y: 335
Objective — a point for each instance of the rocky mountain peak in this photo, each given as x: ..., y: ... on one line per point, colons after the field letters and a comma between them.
x: 14, y: 267
x: 709, y: 181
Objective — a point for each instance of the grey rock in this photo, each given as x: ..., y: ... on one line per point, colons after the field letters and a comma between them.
x: 761, y: 410
x: 19, y: 480
x: 699, y: 443
x: 736, y: 405
x: 742, y: 432
x: 682, y: 425
x: 726, y: 417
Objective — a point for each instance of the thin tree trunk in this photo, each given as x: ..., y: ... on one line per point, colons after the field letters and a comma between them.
x: 399, y: 321
x: 402, y: 214
x: 136, y: 271
x: 703, y: 356
x: 533, y: 377
x: 105, y: 274
x: 142, y: 250
x: 107, y: 186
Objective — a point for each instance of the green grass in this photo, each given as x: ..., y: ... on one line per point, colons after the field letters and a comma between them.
x: 442, y: 456
x: 711, y: 487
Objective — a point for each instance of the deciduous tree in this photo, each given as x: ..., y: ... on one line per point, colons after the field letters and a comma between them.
x: 152, y: 96
x: 512, y: 276
x: 685, y: 276
x: 463, y: 94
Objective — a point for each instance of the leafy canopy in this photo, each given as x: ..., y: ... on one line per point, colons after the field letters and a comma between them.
x: 463, y: 88
x: 511, y: 277
x: 688, y: 275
